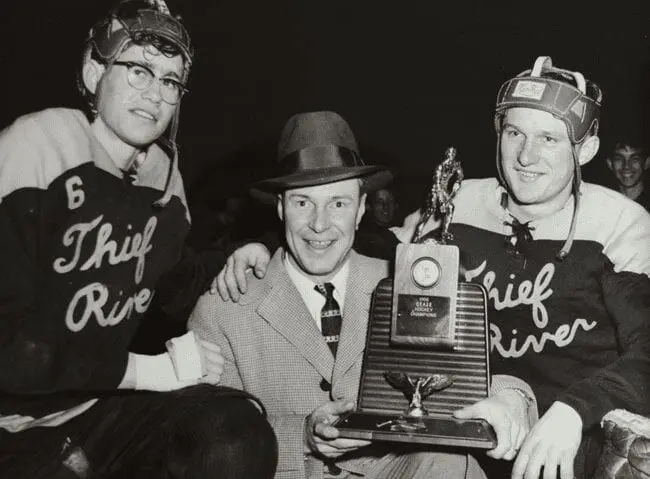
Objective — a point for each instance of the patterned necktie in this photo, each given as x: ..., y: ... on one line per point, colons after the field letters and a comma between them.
x: 330, y: 316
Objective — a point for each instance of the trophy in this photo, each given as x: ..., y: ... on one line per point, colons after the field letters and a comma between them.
x: 427, y: 349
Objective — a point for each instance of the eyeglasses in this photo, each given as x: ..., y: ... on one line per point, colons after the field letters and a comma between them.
x: 141, y: 77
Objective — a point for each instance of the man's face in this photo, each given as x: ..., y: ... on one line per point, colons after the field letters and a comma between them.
x: 136, y: 117
x: 628, y: 165
x: 319, y: 224
x: 383, y: 207
x: 537, y: 159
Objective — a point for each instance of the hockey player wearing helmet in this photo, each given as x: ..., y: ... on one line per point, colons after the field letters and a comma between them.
x: 566, y: 266
x: 92, y: 214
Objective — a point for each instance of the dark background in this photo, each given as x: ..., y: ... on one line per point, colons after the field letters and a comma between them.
x: 411, y: 77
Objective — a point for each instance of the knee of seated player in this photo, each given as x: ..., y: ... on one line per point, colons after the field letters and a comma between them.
x: 225, y: 437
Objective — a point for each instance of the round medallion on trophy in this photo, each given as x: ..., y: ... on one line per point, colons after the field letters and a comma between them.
x: 425, y: 272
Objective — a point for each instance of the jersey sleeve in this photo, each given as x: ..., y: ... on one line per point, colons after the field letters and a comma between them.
x: 626, y: 294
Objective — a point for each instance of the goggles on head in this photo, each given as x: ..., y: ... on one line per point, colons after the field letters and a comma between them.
x: 135, y: 21
x: 571, y: 104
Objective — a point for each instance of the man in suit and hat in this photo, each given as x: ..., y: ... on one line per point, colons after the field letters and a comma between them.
x: 296, y: 338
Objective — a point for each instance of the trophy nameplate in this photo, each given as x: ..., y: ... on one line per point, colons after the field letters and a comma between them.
x: 427, y: 351
x: 424, y: 296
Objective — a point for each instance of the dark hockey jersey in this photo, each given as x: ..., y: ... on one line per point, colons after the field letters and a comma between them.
x: 81, y: 249
x: 578, y: 330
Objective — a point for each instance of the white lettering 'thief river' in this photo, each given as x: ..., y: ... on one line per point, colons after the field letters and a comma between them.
x: 134, y: 246
x: 91, y: 300
x: 533, y: 294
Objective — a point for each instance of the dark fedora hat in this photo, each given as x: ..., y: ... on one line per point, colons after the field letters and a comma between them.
x: 318, y: 148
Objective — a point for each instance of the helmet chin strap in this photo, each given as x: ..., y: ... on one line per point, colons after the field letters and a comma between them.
x: 577, y: 180
x: 170, y: 183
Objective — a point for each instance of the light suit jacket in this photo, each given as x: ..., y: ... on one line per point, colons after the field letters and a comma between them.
x: 274, y: 350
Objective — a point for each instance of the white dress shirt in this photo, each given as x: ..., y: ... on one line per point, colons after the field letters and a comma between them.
x: 312, y: 298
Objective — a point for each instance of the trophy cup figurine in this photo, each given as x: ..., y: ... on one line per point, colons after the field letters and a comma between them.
x: 427, y: 339
x: 446, y: 182
x: 426, y: 271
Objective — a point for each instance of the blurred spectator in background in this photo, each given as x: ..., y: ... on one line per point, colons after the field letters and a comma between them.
x: 383, y: 206
x: 373, y: 237
x: 629, y: 160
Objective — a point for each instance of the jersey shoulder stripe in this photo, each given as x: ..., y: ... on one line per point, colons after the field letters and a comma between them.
x: 618, y: 224
x: 37, y: 148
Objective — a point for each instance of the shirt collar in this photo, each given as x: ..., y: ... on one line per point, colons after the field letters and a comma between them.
x: 305, y: 285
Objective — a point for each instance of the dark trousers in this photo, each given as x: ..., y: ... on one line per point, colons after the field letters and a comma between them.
x: 198, y: 432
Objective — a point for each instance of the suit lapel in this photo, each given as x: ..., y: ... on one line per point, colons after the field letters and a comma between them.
x: 355, y: 319
x: 285, y: 311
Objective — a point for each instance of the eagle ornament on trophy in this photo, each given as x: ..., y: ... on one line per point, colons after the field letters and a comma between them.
x: 417, y: 389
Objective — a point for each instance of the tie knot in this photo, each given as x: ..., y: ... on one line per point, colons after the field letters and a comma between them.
x: 131, y: 174
x: 326, y: 289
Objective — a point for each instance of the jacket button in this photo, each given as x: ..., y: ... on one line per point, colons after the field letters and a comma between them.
x: 325, y: 386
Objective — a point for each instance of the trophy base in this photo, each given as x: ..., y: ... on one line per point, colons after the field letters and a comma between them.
x: 435, y: 430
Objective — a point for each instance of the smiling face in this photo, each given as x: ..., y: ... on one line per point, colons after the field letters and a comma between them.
x: 537, y: 161
x: 320, y: 223
x: 127, y: 116
x: 628, y: 165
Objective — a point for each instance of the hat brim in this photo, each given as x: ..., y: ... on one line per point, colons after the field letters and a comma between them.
x: 267, y: 190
